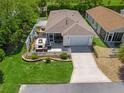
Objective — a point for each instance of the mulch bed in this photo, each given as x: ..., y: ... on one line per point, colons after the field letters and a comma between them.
x: 55, y: 58
x: 111, y: 67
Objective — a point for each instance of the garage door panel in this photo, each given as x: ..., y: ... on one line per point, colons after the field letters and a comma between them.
x: 75, y: 41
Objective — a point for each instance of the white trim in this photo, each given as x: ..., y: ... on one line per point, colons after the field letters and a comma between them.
x: 78, y: 35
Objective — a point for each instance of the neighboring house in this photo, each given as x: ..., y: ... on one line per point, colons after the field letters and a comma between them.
x: 69, y: 28
x: 108, y: 24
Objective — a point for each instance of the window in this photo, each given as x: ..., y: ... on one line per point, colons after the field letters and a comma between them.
x: 93, y: 21
x: 117, y: 36
x: 96, y: 26
x: 102, y: 33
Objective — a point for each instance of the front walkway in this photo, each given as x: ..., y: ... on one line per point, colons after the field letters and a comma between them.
x: 85, y: 68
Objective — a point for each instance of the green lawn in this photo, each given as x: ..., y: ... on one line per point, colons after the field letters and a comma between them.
x: 98, y: 42
x: 105, y: 2
x: 113, y: 2
x: 16, y: 71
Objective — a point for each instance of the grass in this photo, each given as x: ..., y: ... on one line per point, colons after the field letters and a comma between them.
x: 98, y: 42
x: 16, y: 71
x: 113, y: 2
x: 105, y: 2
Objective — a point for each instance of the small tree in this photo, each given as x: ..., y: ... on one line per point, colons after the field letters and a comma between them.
x: 43, y: 7
x: 121, y: 53
x: 2, y: 55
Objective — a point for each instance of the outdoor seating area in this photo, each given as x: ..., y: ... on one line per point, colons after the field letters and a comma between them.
x: 40, y: 44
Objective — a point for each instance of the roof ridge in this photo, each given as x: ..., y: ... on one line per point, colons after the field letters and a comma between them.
x: 85, y: 28
x: 75, y: 25
x: 60, y: 21
x: 66, y: 30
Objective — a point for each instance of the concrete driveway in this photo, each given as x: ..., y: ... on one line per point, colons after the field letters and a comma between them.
x: 85, y: 67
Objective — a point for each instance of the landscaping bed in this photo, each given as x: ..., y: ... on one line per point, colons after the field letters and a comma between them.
x: 110, y: 66
x: 34, y: 57
x: 53, y: 58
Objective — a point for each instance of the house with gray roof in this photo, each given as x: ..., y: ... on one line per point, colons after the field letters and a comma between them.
x: 69, y: 28
x: 63, y: 28
x: 108, y: 24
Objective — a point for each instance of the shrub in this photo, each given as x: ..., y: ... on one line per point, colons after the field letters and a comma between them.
x: 47, y: 60
x: 34, y: 56
x: 121, y: 53
x: 2, y: 55
x: 64, y: 56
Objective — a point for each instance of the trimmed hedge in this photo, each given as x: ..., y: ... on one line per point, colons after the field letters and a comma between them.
x: 34, y: 56
x: 116, y: 7
x: 80, y: 7
x: 64, y: 56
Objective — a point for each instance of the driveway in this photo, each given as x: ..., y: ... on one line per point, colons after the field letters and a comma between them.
x: 85, y: 67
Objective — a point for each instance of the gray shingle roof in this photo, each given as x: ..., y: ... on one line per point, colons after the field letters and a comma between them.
x: 76, y: 29
x: 63, y: 20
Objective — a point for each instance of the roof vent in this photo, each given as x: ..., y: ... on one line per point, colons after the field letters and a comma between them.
x: 66, y: 21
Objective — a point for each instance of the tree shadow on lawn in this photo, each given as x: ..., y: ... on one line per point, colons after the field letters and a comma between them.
x: 14, y: 51
x: 121, y: 73
x: 1, y: 77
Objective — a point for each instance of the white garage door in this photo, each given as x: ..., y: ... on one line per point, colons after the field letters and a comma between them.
x: 77, y: 40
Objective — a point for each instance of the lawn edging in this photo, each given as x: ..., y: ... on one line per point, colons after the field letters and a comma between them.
x: 43, y: 58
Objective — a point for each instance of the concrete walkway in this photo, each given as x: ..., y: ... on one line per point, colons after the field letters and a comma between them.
x: 85, y: 68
